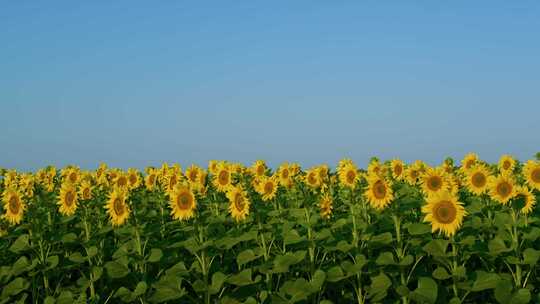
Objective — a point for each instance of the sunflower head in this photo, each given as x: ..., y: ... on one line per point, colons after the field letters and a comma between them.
x: 502, y: 188
x: 258, y: 168
x: 117, y: 207
x: 150, y: 179
x: 348, y: 175
x: 397, y: 168
x: 238, y: 203
x: 525, y: 199
x: 379, y: 192
x: 444, y: 212
x: 14, y: 206
x: 285, y: 175
x: 506, y: 164
x: 68, y: 199
x: 121, y: 180
x: 313, y: 178
x: 434, y: 180
x: 134, y: 178
x: 468, y: 161
x: 183, y: 203
x: 71, y: 174
x: 531, y: 173
x: 267, y: 187
x: 223, y: 177
x: 325, y: 205
x: 85, y: 190
x: 476, y: 179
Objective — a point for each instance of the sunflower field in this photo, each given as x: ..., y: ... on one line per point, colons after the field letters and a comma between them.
x: 391, y: 233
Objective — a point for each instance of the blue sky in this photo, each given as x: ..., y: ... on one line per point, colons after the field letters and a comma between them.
x: 137, y: 83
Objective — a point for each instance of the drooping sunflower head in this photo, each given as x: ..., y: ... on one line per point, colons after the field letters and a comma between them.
x: 433, y: 181
x: 313, y: 178
x: 183, y: 203
x: 150, y: 179
x: 238, y: 203
x: 14, y: 206
x: 525, y: 198
x: 348, y: 175
x: 379, y: 192
x: 506, y: 164
x: 502, y: 188
x: 117, y: 207
x: 531, y: 173
x: 444, y: 212
x: 325, y: 205
x: 476, y: 179
x: 267, y: 187
x: 258, y: 168
x: 285, y: 175
x: 134, y: 178
x: 213, y: 166
x: 468, y: 161
x: 223, y: 177
x: 68, y: 199
x: 85, y: 190
x: 398, y: 169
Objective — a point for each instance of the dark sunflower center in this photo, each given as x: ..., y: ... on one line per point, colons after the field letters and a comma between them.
x: 118, y: 206
x: 414, y: 174
x: 312, y: 179
x: 239, y: 201
x: 506, y: 165
x: 434, y: 183
x: 398, y: 169
x: 504, y: 189
x: 223, y: 177
x: 152, y: 179
x: 132, y: 179
x: 379, y: 189
x: 193, y: 175
x: 73, y: 177
x: 285, y: 174
x: 469, y: 164
x: 260, y: 170
x: 444, y: 212
x: 86, y: 193
x: 70, y: 198
x: 479, y: 179
x: 14, y: 205
x: 268, y: 188
x: 351, y: 176
x: 172, y: 181
x: 122, y: 181
x: 184, y: 200
x: 535, y: 175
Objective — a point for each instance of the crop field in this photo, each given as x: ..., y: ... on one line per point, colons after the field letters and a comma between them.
x: 461, y: 232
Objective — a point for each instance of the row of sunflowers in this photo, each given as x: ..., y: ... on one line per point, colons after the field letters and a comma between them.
x: 394, y: 232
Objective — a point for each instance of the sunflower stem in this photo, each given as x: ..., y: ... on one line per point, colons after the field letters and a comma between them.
x: 454, y: 265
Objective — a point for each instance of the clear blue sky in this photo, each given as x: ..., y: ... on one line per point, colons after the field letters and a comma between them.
x: 136, y: 83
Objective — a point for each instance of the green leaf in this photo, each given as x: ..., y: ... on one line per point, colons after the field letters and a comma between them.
x: 69, y: 238
x: 245, y: 257
x: 292, y: 237
x: 383, y: 238
x: 65, y: 297
x: 116, y: 269
x: 385, y: 258
x: 21, y: 244
x: 440, y: 273
x: 91, y: 252
x: 437, y: 247
x: 140, y: 289
x: 49, y: 300
x: 283, y: 262
x: 485, y: 280
x: 155, y: 255
x: 243, y: 278
x: 20, y: 266
x: 531, y: 256
x: 378, y: 288
x: 52, y: 262
x: 168, y: 288
x: 335, y: 274
x: 77, y: 258
x: 419, y: 229
x: 317, y: 280
x: 426, y: 291
x: 497, y: 246
x: 218, y: 278
x: 14, y: 287
x: 343, y: 246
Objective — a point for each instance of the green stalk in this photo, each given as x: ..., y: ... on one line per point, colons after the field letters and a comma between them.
x: 400, y: 253
x: 454, y: 265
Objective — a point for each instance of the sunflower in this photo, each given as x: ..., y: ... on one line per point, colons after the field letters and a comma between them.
x: 223, y: 177
x: 171, y: 180
x: 182, y: 202
x: 468, y: 161
x: 444, y: 212
x: 117, y: 208
x: 348, y: 175
x: 374, y: 167
x: 313, y: 178
x: 150, y: 179
x: 26, y: 184
x: 121, y: 180
x: 134, y: 178
x: 528, y: 199
x: 379, y: 192
x: 85, y: 190
x: 71, y: 174
x: 502, y: 188
x: 477, y: 178
x: 325, y: 204
x: 68, y: 198
x: 238, y: 203
x: 258, y: 168
x: 506, y: 164
x: 284, y: 175
x: 397, y: 169
x: 192, y: 173
x: 13, y: 205
x: 412, y: 173
x: 213, y: 166
x: 531, y: 172
x: 267, y: 187
x: 433, y: 181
